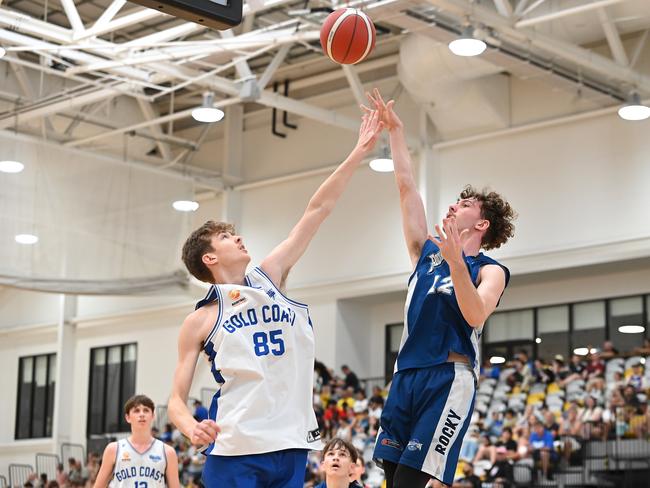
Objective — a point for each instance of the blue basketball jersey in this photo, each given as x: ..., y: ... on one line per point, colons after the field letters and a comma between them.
x: 433, y: 322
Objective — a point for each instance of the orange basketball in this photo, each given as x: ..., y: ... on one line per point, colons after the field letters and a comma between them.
x: 347, y: 36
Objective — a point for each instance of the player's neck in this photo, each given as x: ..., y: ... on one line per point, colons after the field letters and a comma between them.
x: 473, y: 246
x: 229, y: 276
x: 141, y: 437
x: 337, y: 482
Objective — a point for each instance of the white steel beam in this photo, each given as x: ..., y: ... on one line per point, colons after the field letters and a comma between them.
x: 24, y: 23
x: 243, y: 70
x: 504, y: 7
x: 108, y: 15
x: 150, y: 114
x: 521, y: 6
x: 355, y: 83
x: 68, y: 103
x: 273, y: 66
x: 563, y: 51
x: 160, y: 120
x: 73, y: 16
x: 613, y: 39
x: 565, y: 12
x: 638, y: 49
x: 133, y: 17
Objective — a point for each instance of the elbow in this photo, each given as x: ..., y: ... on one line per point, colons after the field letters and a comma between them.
x: 476, y: 319
x: 322, y: 209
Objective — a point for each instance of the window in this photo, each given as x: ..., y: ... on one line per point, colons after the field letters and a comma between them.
x: 36, y: 381
x: 625, y: 311
x: 112, y: 383
x: 588, y: 325
x: 552, y: 331
x: 506, y: 326
x: 393, y: 341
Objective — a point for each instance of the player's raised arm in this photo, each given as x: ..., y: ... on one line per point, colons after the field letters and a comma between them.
x: 189, y: 348
x: 278, y: 263
x: 414, y: 222
x: 106, y: 469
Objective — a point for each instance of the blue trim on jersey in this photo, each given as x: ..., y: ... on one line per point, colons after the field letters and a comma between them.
x: 214, y: 407
x: 211, y: 353
x: 209, y: 297
x: 213, y: 331
x: 292, y: 302
x: 434, y: 322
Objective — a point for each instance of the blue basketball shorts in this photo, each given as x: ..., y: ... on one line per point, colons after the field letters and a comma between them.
x: 425, y: 418
x: 280, y: 469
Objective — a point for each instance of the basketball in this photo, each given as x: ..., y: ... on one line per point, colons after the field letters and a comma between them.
x: 347, y: 36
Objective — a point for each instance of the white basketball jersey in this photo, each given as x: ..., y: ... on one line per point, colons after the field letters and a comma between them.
x: 262, y: 354
x: 135, y: 470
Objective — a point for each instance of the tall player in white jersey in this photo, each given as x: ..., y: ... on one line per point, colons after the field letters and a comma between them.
x: 260, y: 345
x: 140, y: 460
x: 452, y: 291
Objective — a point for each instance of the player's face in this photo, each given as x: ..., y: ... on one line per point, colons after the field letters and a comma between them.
x: 466, y: 212
x: 230, y: 249
x: 140, y: 416
x: 337, y: 462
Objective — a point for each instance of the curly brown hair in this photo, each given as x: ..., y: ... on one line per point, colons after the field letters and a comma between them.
x: 496, y: 210
x: 200, y: 242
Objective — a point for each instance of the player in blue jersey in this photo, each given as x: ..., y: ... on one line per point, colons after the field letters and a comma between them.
x: 260, y: 345
x: 453, y: 290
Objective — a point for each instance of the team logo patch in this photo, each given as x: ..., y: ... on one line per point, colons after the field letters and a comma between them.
x: 313, y: 435
x: 125, y: 456
x: 414, y: 445
x: 436, y: 260
x: 391, y: 443
x: 154, y: 458
x: 271, y: 294
x: 234, y: 294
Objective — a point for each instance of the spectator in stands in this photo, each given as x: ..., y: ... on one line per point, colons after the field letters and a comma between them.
x: 489, y: 370
x: 323, y: 373
x: 77, y: 475
x: 360, y: 402
x: 595, y: 372
x: 501, y: 473
x: 494, y: 424
x: 200, y: 412
x: 485, y: 450
x: 359, y: 473
x: 377, y: 396
x: 577, y: 369
x: 52, y: 484
x: 469, y: 479
x: 351, y: 380
x: 643, y: 350
x: 517, y: 376
x: 636, y: 379
x: 510, y: 419
x: 469, y: 447
x: 506, y: 440
x: 609, y: 351
x: 617, y: 382
x: 541, y: 444
x: 550, y: 424
x: 347, y: 398
x: 61, y: 475
x: 591, y: 418
x: 166, y: 436
x: 338, y: 464
x: 630, y: 397
x: 560, y: 370
x: 639, y: 426
x: 528, y: 370
x: 543, y: 373
x: 92, y: 466
x: 331, y: 419
x: 570, y: 433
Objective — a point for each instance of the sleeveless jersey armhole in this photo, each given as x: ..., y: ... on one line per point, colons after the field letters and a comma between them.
x: 215, y: 327
x: 260, y: 272
x: 423, y: 252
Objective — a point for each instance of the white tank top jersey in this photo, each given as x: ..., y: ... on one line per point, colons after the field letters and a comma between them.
x: 135, y: 470
x: 261, y: 350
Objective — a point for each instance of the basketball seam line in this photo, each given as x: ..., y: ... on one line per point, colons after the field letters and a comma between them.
x: 354, y: 30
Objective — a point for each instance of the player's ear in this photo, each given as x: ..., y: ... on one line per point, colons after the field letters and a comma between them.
x: 209, y: 259
x: 482, y: 225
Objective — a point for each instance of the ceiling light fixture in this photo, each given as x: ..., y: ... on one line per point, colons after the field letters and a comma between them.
x: 185, y: 205
x: 383, y: 163
x: 206, y: 112
x: 26, y: 239
x: 497, y: 360
x: 631, y: 329
x: 11, y: 167
x: 467, y: 44
x: 634, y: 109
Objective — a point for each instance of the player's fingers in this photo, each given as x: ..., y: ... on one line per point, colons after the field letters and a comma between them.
x: 439, y: 232
x: 435, y: 239
x: 379, y: 97
x: 364, y: 108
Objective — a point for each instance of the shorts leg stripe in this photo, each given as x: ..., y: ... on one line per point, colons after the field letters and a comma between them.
x: 454, y: 451
x: 454, y: 412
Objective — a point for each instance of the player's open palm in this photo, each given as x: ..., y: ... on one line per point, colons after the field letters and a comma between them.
x: 369, y: 131
x: 450, y: 241
x: 204, y: 433
x: 386, y: 113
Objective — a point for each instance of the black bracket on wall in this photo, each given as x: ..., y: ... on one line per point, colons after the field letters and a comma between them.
x: 285, y: 114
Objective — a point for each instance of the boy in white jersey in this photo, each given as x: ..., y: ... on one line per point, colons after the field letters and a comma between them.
x: 453, y: 290
x: 260, y: 345
x: 140, y: 460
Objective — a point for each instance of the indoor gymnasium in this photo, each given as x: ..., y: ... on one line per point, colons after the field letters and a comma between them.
x: 315, y: 244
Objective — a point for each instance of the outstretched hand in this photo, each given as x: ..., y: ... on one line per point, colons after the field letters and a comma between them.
x: 371, y: 127
x: 450, y: 241
x: 386, y: 113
